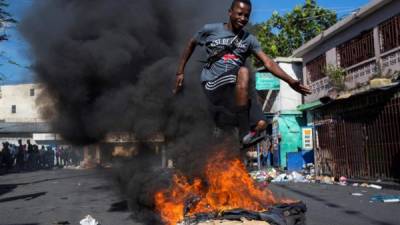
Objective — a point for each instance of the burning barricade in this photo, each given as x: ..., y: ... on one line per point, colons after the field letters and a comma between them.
x: 227, y: 192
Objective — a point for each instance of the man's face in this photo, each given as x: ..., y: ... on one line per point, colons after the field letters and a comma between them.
x: 239, y: 15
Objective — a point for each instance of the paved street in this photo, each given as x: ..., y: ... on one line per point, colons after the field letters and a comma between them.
x: 61, y: 195
x: 334, y: 204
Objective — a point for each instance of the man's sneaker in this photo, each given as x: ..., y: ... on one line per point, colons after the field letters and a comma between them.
x: 252, y: 138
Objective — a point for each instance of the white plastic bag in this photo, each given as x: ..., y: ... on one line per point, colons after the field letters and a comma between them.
x: 88, y: 220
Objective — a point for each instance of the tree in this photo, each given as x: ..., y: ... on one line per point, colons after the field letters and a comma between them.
x: 5, y: 19
x: 281, y: 35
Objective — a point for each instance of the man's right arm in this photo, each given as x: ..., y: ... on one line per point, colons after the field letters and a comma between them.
x: 187, y: 52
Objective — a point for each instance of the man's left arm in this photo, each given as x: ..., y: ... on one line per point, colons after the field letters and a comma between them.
x: 275, y: 69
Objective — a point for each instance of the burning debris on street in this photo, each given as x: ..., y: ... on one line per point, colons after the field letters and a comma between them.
x: 108, y: 67
x: 227, y: 192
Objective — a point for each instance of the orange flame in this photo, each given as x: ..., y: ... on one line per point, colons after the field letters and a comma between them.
x: 227, y: 186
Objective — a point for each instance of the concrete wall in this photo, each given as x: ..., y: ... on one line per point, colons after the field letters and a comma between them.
x: 362, y: 72
x: 366, y: 23
x: 25, y: 104
x: 287, y: 98
x: 290, y: 131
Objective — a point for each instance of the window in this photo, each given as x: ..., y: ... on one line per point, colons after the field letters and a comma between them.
x: 13, y: 109
x: 316, y: 68
x: 32, y: 92
x: 389, y: 33
x: 356, y: 50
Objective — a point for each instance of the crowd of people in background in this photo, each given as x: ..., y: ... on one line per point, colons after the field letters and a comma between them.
x: 29, y: 157
x: 265, y: 154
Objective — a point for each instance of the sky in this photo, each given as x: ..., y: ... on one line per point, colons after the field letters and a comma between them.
x: 16, y: 50
x: 263, y: 9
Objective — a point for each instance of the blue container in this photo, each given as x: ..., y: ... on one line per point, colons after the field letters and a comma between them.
x: 308, y: 156
x: 295, y: 161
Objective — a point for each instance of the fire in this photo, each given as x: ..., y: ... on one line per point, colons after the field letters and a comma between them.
x: 122, y: 151
x: 226, y: 186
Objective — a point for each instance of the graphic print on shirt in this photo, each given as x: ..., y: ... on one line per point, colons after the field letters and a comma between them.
x: 232, y: 56
x: 214, y: 38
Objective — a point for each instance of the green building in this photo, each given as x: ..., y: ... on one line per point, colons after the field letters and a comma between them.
x: 286, y: 133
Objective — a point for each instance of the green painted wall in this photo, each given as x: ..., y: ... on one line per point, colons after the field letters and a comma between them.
x: 290, y: 130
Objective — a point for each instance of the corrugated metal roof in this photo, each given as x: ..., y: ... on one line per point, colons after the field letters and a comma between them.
x: 7, y: 127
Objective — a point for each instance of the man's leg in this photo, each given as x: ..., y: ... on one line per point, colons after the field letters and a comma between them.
x: 242, y: 104
x: 242, y: 101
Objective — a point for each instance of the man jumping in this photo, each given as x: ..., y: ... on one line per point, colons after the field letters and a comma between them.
x: 224, y: 77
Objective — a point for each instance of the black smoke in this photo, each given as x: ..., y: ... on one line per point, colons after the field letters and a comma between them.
x: 109, y: 65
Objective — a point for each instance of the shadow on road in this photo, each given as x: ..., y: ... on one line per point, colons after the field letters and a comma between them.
x: 5, y: 188
x: 25, y: 197
x: 121, y: 206
x: 23, y: 224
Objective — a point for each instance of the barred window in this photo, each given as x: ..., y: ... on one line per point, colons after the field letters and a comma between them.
x: 389, y: 33
x: 356, y: 50
x: 316, y: 68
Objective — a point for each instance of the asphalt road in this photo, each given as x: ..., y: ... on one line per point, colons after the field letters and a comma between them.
x: 59, y: 196
x: 66, y: 195
x: 335, y: 205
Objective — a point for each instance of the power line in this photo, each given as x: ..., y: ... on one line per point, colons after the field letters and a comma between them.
x: 323, y: 14
x: 290, y: 9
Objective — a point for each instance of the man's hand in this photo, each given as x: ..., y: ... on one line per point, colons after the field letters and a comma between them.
x: 302, y: 89
x: 178, y: 83
x: 274, y: 68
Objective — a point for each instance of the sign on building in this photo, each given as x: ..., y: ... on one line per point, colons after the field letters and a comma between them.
x: 267, y: 81
x: 46, y: 137
x: 307, y: 138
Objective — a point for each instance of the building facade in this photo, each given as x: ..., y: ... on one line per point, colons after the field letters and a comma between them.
x: 20, y: 119
x: 18, y: 103
x: 20, y: 114
x: 279, y: 105
x: 353, y: 71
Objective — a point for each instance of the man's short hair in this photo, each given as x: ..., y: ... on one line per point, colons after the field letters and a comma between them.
x: 247, y: 2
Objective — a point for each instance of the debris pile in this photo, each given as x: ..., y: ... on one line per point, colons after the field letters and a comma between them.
x: 365, y: 185
x: 226, y: 192
x: 307, y: 175
x: 281, y: 214
x: 277, y: 176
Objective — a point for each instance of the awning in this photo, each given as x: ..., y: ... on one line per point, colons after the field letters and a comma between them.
x: 14, y: 127
x: 310, y: 105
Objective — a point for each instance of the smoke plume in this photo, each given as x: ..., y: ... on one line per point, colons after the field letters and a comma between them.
x: 109, y: 66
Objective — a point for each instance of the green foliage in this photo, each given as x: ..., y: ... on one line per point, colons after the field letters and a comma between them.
x: 5, y: 17
x: 336, y: 76
x: 281, y: 35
